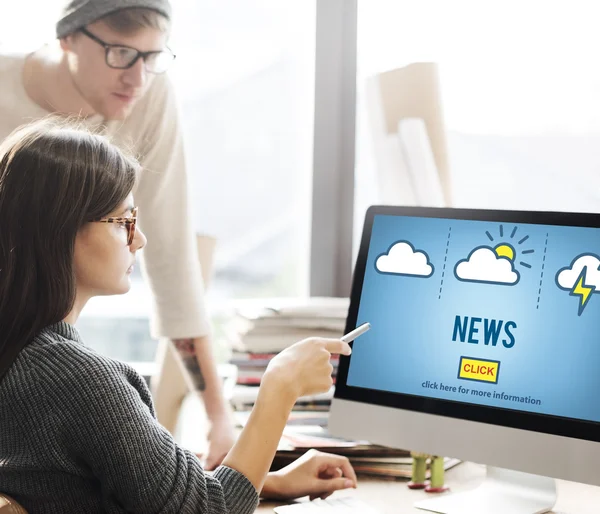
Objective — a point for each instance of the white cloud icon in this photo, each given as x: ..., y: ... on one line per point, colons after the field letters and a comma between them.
x: 484, y: 265
x: 403, y: 259
x: 567, y: 277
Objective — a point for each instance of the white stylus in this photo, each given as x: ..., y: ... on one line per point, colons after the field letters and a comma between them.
x: 351, y: 336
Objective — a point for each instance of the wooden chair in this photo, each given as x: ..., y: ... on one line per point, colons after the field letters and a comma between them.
x: 10, y: 506
x: 407, y: 129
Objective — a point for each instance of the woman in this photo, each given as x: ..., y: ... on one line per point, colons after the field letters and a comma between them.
x: 77, y: 430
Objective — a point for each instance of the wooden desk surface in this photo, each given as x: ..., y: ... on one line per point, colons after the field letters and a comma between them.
x: 393, y: 497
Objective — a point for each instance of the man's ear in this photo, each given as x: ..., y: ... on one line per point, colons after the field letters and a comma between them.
x: 66, y: 43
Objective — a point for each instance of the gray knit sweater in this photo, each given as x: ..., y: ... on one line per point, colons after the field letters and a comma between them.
x: 78, y: 434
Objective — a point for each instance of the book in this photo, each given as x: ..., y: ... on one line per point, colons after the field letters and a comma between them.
x: 273, y: 322
x: 277, y: 340
x: 366, y: 458
x: 243, y: 397
x: 271, y: 325
x: 394, y: 470
x: 310, y: 306
x: 298, y: 418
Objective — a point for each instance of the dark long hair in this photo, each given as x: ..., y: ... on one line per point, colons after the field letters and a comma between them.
x: 54, y: 178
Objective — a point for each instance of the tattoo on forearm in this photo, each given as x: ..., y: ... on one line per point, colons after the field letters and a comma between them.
x: 187, y: 352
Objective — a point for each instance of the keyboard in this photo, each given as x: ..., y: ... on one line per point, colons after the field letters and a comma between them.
x: 347, y: 505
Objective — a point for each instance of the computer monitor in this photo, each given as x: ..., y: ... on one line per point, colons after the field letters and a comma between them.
x: 484, y: 346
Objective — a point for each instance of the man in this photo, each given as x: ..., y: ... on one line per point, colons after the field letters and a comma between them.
x: 108, y: 67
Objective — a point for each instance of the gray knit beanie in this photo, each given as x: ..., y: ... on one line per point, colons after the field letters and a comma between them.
x: 78, y: 13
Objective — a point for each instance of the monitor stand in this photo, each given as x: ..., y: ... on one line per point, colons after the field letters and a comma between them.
x: 501, y: 492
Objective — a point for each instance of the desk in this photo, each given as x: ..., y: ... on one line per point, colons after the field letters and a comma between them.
x: 393, y: 497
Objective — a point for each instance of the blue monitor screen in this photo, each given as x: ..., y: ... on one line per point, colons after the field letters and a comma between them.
x: 487, y: 313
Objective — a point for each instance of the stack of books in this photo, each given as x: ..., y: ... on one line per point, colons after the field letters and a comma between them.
x: 304, y: 432
x: 269, y: 326
x: 366, y: 459
x: 260, y: 329
x: 243, y: 399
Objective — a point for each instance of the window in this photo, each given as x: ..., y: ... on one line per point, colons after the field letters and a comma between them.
x: 245, y: 78
x: 520, y: 94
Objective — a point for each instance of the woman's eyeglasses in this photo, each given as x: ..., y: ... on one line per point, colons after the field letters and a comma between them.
x: 124, y: 57
x: 129, y: 222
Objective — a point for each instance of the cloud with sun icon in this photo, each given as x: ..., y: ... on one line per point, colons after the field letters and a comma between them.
x: 403, y: 259
x: 484, y: 264
x: 493, y: 264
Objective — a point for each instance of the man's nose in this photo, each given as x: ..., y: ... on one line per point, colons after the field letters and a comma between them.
x: 136, y: 75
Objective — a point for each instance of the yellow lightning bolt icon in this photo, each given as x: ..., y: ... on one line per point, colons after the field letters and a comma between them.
x: 582, y: 290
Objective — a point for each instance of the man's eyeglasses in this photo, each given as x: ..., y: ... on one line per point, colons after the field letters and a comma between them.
x: 124, y: 57
x: 128, y: 222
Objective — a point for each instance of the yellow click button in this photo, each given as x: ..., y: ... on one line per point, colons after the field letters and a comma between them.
x: 480, y: 370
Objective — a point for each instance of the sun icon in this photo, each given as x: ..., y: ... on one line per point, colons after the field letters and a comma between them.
x: 505, y: 250
x: 509, y: 251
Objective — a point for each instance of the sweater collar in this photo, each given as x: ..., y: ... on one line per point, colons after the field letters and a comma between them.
x: 66, y: 330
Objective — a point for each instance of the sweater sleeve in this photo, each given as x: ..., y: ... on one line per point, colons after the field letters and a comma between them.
x: 110, y: 427
x: 170, y: 259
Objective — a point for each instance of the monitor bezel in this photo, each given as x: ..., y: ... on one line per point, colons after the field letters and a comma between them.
x: 549, y: 424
